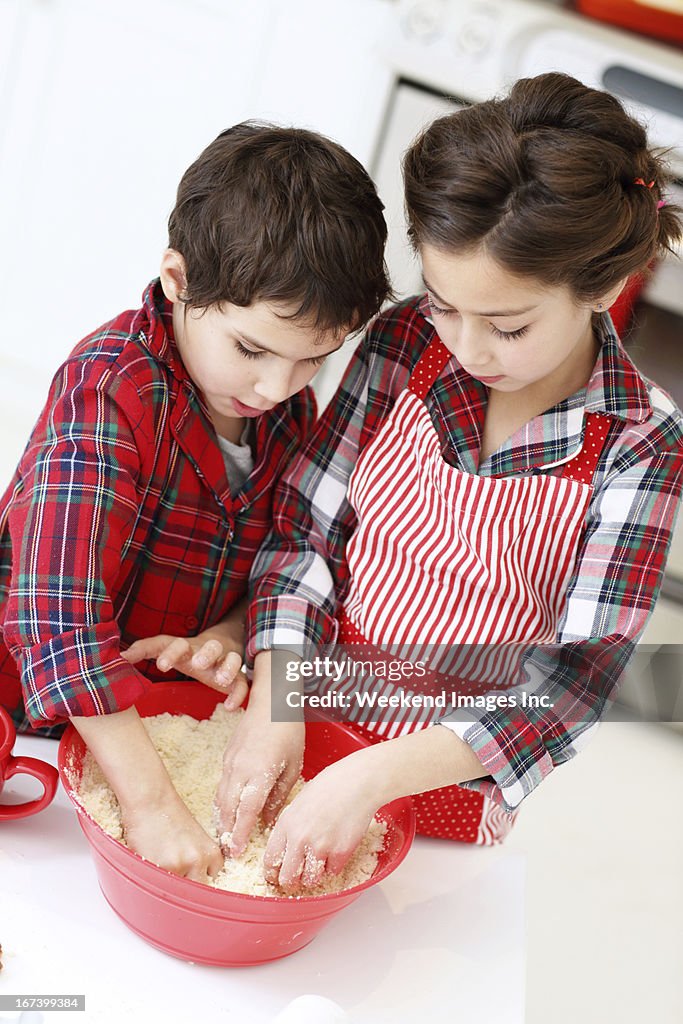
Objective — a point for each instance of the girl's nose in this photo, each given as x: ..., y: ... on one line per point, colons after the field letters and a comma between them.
x: 469, y: 348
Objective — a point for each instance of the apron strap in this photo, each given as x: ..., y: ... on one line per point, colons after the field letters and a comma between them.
x: 583, y: 465
x: 428, y: 367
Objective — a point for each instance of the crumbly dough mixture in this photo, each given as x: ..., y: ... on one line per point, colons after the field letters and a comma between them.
x: 192, y: 752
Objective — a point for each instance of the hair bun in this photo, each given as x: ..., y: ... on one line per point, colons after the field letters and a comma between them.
x: 548, y: 178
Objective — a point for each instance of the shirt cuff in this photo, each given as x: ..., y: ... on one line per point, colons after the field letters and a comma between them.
x: 289, y: 623
x: 78, y: 673
x: 511, y: 749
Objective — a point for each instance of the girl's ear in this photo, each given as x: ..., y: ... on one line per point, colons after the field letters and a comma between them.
x: 173, y: 276
x: 607, y: 300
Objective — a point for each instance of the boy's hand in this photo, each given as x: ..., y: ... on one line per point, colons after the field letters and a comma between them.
x: 261, y: 764
x: 320, y: 830
x: 166, y: 834
x: 157, y: 823
x: 205, y: 657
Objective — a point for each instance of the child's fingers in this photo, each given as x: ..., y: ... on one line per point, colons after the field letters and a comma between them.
x: 177, y: 651
x: 227, y: 812
x: 278, y: 795
x: 292, y: 867
x: 206, y: 867
x: 208, y: 655
x: 314, y: 869
x: 148, y: 648
x: 236, y: 692
x: 228, y: 668
x: 274, y: 856
x: 336, y: 862
x: 250, y: 803
x: 226, y: 803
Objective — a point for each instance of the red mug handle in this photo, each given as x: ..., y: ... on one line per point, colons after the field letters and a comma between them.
x: 40, y: 770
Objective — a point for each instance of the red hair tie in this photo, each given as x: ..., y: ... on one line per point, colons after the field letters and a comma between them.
x: 645, y: 184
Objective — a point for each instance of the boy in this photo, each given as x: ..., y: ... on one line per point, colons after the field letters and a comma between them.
x: 145, y: 489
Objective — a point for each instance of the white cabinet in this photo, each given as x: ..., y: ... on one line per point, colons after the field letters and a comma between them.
x: 103, y: 107
x: 324, y: 69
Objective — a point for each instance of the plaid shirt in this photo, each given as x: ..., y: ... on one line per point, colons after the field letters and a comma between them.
x: 119, y: 522
x: 301, y: 575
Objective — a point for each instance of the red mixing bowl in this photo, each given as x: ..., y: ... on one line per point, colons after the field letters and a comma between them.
x: 211, y: 926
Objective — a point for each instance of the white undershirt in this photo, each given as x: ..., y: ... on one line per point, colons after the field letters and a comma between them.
x: 238, y: 459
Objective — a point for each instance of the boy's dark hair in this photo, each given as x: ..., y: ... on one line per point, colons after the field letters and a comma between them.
x: 547, y: 180
x: 282, y: 215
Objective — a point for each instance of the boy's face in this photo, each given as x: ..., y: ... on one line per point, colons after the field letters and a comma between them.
x: 246, y: 359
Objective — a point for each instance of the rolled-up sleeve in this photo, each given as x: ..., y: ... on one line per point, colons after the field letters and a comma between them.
x: 70, y: 519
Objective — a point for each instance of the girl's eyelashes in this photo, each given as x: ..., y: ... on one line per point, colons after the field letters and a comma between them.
x: 510, y: 335
x: 438, y: 309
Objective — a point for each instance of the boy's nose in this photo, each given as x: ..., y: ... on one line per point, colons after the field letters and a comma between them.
x: 274, y: 387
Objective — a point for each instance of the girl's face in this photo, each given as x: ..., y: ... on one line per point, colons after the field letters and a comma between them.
x: 511, y: 333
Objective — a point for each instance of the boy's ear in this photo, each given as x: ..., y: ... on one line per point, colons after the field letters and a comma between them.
x: 173, y: 276
x: 607, y: 300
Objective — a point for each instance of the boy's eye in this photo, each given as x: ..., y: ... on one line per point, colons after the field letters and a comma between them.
x: 510, y: 335
x: 247, y: 352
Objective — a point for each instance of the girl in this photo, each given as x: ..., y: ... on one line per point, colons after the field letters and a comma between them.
x: 494, y: 471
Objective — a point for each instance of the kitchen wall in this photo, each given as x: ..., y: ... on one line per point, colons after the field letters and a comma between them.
x: 103, y: 106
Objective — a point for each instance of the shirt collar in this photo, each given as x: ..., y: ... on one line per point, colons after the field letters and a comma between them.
x: 154, y: 325
x: 615, y: 386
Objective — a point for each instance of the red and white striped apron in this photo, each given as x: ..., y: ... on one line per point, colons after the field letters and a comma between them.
x: 443, y: 557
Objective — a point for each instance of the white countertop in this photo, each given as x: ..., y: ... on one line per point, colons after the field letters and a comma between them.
x: 441, y: 939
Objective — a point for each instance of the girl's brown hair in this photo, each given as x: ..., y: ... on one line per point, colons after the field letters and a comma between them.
x: 282, y: 215
x: 546, y: 180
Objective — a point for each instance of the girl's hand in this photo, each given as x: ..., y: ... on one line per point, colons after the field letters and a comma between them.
x: 320, y: 830
x: 322, y: 827
x: 206, y: 657
x: 166, y: 834
x: 261, y: 764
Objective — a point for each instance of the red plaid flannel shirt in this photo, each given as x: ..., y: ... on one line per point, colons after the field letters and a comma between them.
x: 119, y: 522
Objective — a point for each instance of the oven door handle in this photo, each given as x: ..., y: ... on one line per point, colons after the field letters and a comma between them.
x: 672, y: 589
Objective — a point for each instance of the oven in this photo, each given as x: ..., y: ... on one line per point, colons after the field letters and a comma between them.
x: 446, y: 53
x: 453, y: 52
